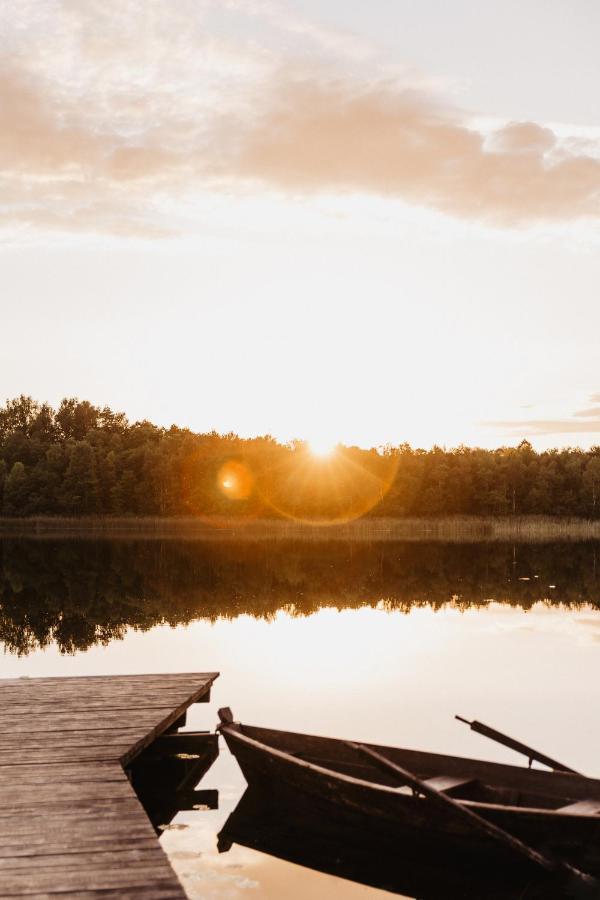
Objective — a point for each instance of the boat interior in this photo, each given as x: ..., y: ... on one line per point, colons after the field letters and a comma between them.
x: 464, y: 779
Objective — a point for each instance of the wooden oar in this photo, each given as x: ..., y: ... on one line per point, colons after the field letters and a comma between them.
x: 549, y: 863
x: 531, y: 754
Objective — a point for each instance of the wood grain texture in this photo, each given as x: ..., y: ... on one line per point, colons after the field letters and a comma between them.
x: 70, y: 822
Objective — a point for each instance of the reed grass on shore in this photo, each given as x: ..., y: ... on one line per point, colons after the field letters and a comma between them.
x: 452, y: 529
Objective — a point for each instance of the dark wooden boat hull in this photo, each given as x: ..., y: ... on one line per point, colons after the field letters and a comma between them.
x: 340, y: 783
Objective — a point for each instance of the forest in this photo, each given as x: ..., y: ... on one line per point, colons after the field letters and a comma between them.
x: 82, y: 460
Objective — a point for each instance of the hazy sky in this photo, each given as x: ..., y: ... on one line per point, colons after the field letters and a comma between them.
x: 333, y: 220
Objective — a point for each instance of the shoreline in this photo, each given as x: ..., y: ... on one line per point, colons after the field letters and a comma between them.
x: 451, y: 529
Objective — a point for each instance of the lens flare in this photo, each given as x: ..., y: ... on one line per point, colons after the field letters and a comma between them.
x: 235, y: 480
x: 327, y: 489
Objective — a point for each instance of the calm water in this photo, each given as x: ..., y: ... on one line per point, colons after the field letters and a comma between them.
x: 381, y: 643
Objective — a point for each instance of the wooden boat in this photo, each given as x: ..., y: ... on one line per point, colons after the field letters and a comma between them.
x: 548, y: 819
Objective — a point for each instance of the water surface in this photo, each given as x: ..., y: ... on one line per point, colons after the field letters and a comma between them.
x: 374, y: 642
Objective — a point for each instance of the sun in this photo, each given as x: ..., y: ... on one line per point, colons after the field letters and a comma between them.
x: 322, y: 446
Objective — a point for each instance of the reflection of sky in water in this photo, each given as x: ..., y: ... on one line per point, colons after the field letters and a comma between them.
x: 365, y: 674
x: 242, y: 873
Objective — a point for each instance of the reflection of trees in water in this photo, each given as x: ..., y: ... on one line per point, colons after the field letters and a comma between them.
x: 78, y: 593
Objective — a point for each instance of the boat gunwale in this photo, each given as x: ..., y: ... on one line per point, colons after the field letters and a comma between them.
x: 235, y: 730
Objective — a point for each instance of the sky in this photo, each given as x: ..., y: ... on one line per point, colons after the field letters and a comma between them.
x: 371, y: 223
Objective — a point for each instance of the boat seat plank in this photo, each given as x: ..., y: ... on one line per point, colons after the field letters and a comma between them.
x: 581, y: 808
x: 447, y: 783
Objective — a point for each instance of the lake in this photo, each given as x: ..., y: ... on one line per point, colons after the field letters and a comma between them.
x: 378, y: 642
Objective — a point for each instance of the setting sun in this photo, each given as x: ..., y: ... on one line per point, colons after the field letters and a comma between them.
x: 322, y: 446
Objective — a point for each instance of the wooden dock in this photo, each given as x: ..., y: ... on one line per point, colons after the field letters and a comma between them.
x: 70, y: 822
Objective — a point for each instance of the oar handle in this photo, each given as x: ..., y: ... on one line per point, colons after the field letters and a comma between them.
x: 460, y: 719
x: 531, y: 754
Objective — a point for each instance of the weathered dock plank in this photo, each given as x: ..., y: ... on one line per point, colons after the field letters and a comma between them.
x: 70, y: 822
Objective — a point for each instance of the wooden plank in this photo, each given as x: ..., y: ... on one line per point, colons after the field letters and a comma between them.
x: 156, y: 892
x: 70, y: 822
x: 58, y: 757
x: 49, y: 709
x: 79, y: 720
x: 66, y: 773
x: 77, y: 859
x: 38, y: 843
x: 97, y: 737
x: 51, y: 881
x: 34, y: 845
x: 52, y: 689
x: 19, y: 794
x: 85, y: 681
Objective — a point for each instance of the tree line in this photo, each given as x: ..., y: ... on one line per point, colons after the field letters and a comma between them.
x: 83, y: 460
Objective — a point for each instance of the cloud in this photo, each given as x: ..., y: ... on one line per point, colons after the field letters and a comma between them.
x: 520, y: 427
x: 340, y: 42
x: 333, y: 136
x: 109, y: 112
x: 583, y: 421
x: 523, y: 137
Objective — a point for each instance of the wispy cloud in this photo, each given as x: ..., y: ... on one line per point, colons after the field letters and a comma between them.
x: 331, y: 40
x: 523, y: 427
x: 583, y: 421
x: 107, y: 109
